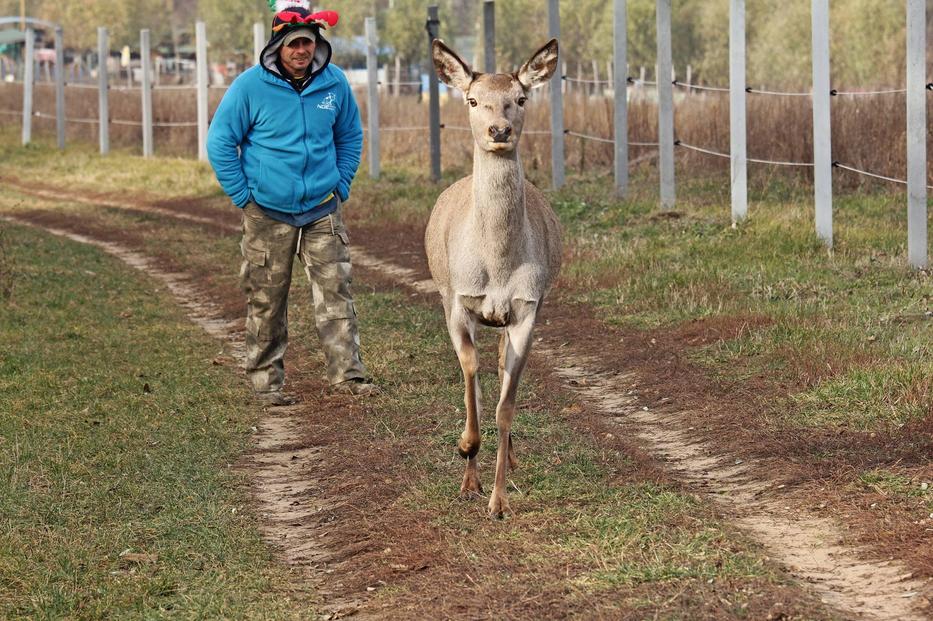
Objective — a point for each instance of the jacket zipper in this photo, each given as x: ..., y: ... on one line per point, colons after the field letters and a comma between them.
x: 304, y: 143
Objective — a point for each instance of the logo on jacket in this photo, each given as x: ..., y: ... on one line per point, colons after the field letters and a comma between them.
x: 328, y: 102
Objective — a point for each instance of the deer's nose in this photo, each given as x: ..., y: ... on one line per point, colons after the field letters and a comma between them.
x: 500, y: 134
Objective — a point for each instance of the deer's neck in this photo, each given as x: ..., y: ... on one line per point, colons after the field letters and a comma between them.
x: 498, y: 201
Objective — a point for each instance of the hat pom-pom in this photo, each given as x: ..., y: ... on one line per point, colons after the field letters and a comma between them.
x: 283, y: 5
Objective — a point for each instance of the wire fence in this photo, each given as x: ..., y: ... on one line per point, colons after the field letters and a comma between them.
x: 582, y: 135
x: 692, y: 123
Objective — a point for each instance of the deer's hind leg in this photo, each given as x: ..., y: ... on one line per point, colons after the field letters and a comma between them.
x: 462, y: 329
x: 516, y: 351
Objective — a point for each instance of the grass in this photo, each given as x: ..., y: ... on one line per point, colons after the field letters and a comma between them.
x: 646, y: 271
x: 619, y: 536
x: 848, y: 332
x: 887, y: 482
x: 609, y: 533
x: 846, y: 327
x: 118, y: 434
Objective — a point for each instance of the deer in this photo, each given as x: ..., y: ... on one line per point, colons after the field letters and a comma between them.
x: 493, y: 246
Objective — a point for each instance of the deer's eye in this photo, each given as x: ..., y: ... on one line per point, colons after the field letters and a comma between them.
x: 472, y: 102
x: 522, y: 100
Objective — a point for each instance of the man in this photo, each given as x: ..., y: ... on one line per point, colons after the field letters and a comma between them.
x: 285, y: 144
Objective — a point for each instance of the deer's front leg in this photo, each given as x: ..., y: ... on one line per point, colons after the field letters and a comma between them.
x: 462, y: 334
x: 516, y: 350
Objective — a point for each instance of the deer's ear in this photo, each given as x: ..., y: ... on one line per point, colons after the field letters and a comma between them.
x: 450, y: 68
x: 540, y: 67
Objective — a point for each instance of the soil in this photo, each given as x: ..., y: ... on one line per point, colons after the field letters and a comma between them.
x: 325, y: 484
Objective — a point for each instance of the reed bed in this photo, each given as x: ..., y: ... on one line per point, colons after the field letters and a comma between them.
x: 868, y: 133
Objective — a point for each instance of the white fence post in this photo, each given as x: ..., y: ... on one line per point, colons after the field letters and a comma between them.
x: 822, y: 131
x: 201, y: 57
x: 557, y: 105
x: 737, y: 118
x: 398, y: 75
x: 372, y: 102
x: 29, y: 80
x: 60, y: 86
x: 620, y: 98
x: 259, y: 36
x: 665, y: 105
x: 103, y: 100
x: 916, y: 134
x: 146, y: 92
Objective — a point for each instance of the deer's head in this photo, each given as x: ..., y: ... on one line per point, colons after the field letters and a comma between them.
x: 496, y: 100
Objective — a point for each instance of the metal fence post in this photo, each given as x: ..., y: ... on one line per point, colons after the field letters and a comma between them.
x: 29, y: 80
x: 259, y: 41
x: 822, y: 131
x: 489, y: 36
x: 146, y: 91
x: 201, y: 57
x: 737, y: 118
x: 557, y: 104
x: 665, y: 105
x: 916, y: 134
x: 372, y: 102
x: 434, y: 97
x: 596, y: 81
x: 103, y: 101
x: 620, y: 88
x: 60, y: 86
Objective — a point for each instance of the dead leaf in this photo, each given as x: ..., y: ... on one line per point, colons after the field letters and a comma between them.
x: 139, y: 557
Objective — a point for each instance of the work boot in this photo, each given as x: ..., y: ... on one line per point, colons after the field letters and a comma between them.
x: 276, y: 398
x: 358, y: 387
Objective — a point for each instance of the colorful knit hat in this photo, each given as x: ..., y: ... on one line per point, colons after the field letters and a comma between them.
x: 297, y: 13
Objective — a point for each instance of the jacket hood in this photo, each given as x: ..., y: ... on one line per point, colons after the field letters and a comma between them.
x: 269, y: 56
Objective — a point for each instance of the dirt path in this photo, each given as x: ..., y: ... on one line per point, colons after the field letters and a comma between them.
x: 808, y: 546
x: 281, y: 470
x: 811, y: 546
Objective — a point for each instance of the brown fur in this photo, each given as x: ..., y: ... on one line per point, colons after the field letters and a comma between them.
x: 493, y: 246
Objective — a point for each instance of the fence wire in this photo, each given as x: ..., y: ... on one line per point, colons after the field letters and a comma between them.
x: 588, y: 137
x: 399, y: 129
x: 761, y: 91
x: 691, y: 147
x: 872, y: 175
x: 584, y: 80
x: 699, y: 87
x: 43, y: 115
x: 836, y: 93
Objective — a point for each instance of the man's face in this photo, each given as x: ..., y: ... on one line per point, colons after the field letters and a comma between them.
x: 296, y: 56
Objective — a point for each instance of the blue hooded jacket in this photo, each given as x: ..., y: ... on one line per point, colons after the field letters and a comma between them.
x: 283, y: 149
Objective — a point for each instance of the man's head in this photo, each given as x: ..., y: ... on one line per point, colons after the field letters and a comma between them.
x: 296, y: 36
x: 297, y: 50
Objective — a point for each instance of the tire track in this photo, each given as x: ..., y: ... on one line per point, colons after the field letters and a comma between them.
x: 281, y: 474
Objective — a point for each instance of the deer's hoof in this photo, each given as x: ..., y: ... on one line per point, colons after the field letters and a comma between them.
x: 471, y: 487
x: 499, y: 506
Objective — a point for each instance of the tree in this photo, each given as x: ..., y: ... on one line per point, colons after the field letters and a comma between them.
x: 405, y: 28
x: 230, y: 24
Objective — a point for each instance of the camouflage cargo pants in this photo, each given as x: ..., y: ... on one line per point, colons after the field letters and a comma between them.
x: 268, y: 248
